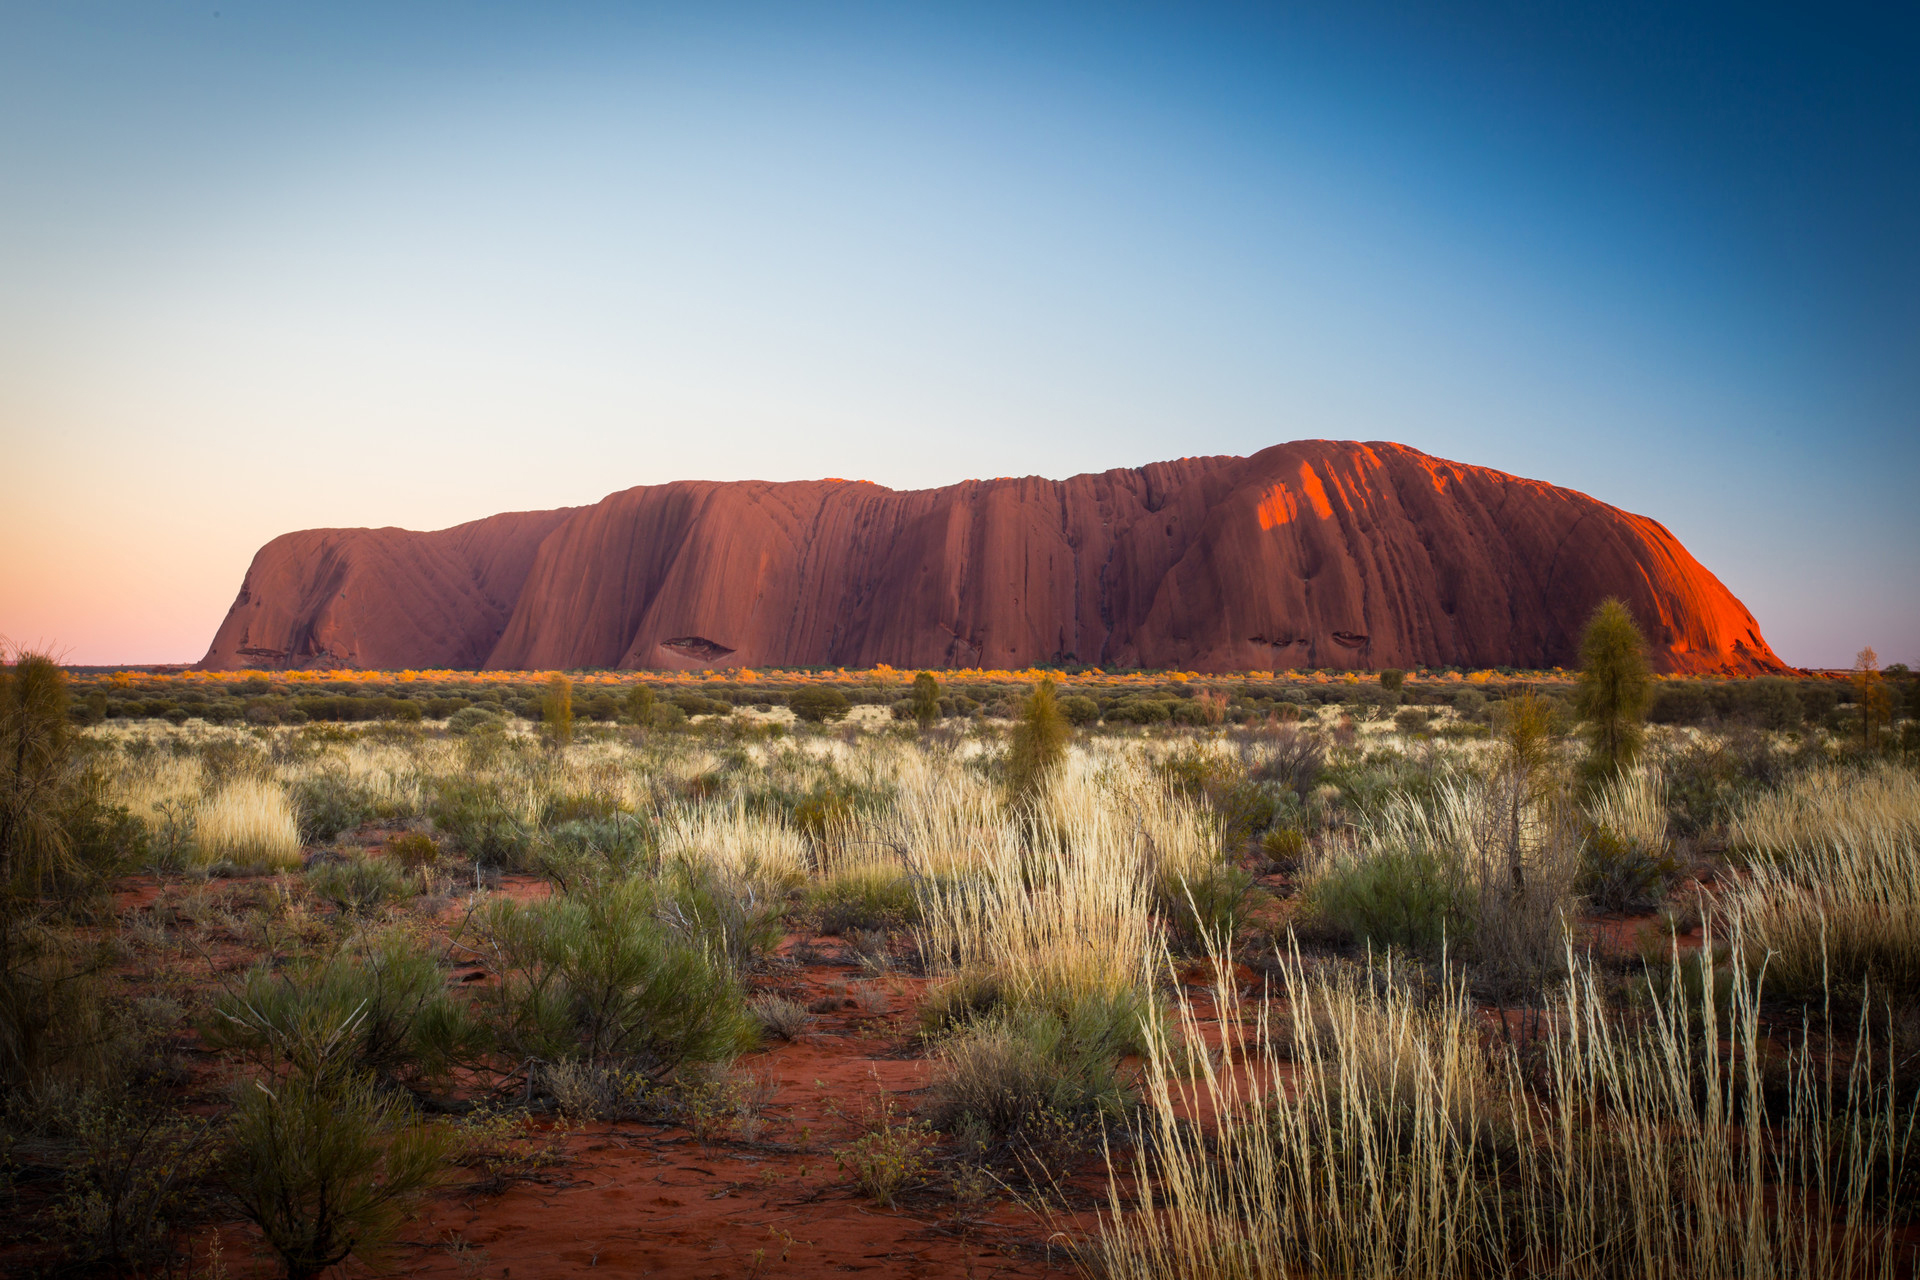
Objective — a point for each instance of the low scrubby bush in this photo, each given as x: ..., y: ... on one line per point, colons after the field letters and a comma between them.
x: 780, y: 1017
x: 1031, y: 1078
x: 413, y: 850
x: 726, y: 918
x: 816, y: 704
x: 591, y: 850
x: 695, y: 705
x: 384, y: 1001
x: 481, y: 823
x: 329, y: 804
x: 1134, y: 710
x: 1079, y: 710
x: 357, y: 885
x: 132, y: 1172
x: 1621, y: 873
x: 1403, y: 898
x: 1205, y: 905
x: 328, y: 1166
x: 595, y: 975
x: 478, y: 718
x: 880, y: 899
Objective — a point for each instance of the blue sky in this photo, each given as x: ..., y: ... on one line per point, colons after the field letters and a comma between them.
x: 276, y: 266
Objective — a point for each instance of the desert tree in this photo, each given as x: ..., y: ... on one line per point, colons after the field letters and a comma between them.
x: 926, y: 699
x: 1614, y: 688
x: 818, y: 704
x: 640, y: 704
x: 1526, y: 742
x: 328, y: 1164
x: 1871, y: 693
x: 1039, y: 742
x: 36, y: 774
x: 556, y: 709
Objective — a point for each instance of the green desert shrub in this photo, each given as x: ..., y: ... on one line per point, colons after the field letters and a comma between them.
x: 726, y: 918
x: 591, y: 850
x: 481, y: 823
x: 1079, y: 710
x: 1139, y: 711
x: 1708, y: 779
x: 357, y: 885
x: 384, y: 999
x: 1769, y: 702
x: 1678, y: 702
x: 872, y: 899
x: 1412, y: 720
x: 481, y: 716
x: 328, y: 1165
x: 967, y: 997
x: 130, y: 1171
x: 1390, y: 898
x: 595, y: 975
x: 328, y: 804
x: 1207, y: 906
x: 817, y: 704
x: 1621, y: 873
x: 413, y: 850
x: 572, y: 806
x: 1036, y: 1079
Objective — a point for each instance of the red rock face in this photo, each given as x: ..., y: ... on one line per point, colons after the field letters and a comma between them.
x: 1317, y: 553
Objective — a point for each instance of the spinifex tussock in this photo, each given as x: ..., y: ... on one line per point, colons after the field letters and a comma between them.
x: 1395, y: 1137
x: 1472, y: 864
x: 1066, y: 914
x: 731, y: 840
x: 1834, y: 885
x: 1633, y: 804
x: 249, y: 824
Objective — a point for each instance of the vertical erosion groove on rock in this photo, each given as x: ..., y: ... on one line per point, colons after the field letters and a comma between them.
x: 1317, y: 553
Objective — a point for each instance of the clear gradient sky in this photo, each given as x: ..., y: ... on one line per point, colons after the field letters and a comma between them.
x: 273, y: 266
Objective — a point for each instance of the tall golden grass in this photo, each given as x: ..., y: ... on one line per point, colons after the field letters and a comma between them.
x: 1833, y: 885
x: 249, y: 824
x: 1633, y: 804
x: 1393, y: 1136
x: 1057, y: 903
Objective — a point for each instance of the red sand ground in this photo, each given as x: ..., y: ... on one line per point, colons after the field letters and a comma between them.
x: 641, y: 1198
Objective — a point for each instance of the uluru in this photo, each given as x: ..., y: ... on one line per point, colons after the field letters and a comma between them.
x: 1311, y: 554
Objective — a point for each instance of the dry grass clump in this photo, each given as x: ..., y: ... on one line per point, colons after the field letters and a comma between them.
x: 1633, y: 805
x: 1827, y: 807
x: 745, y: 846
x: 946, y: 819
x: 1473, y: 866
x: 1069, y: 918
x: 1834, y: 886
x: 1395, y: 1139
x: 150, y: 781
x: 248, y: 824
